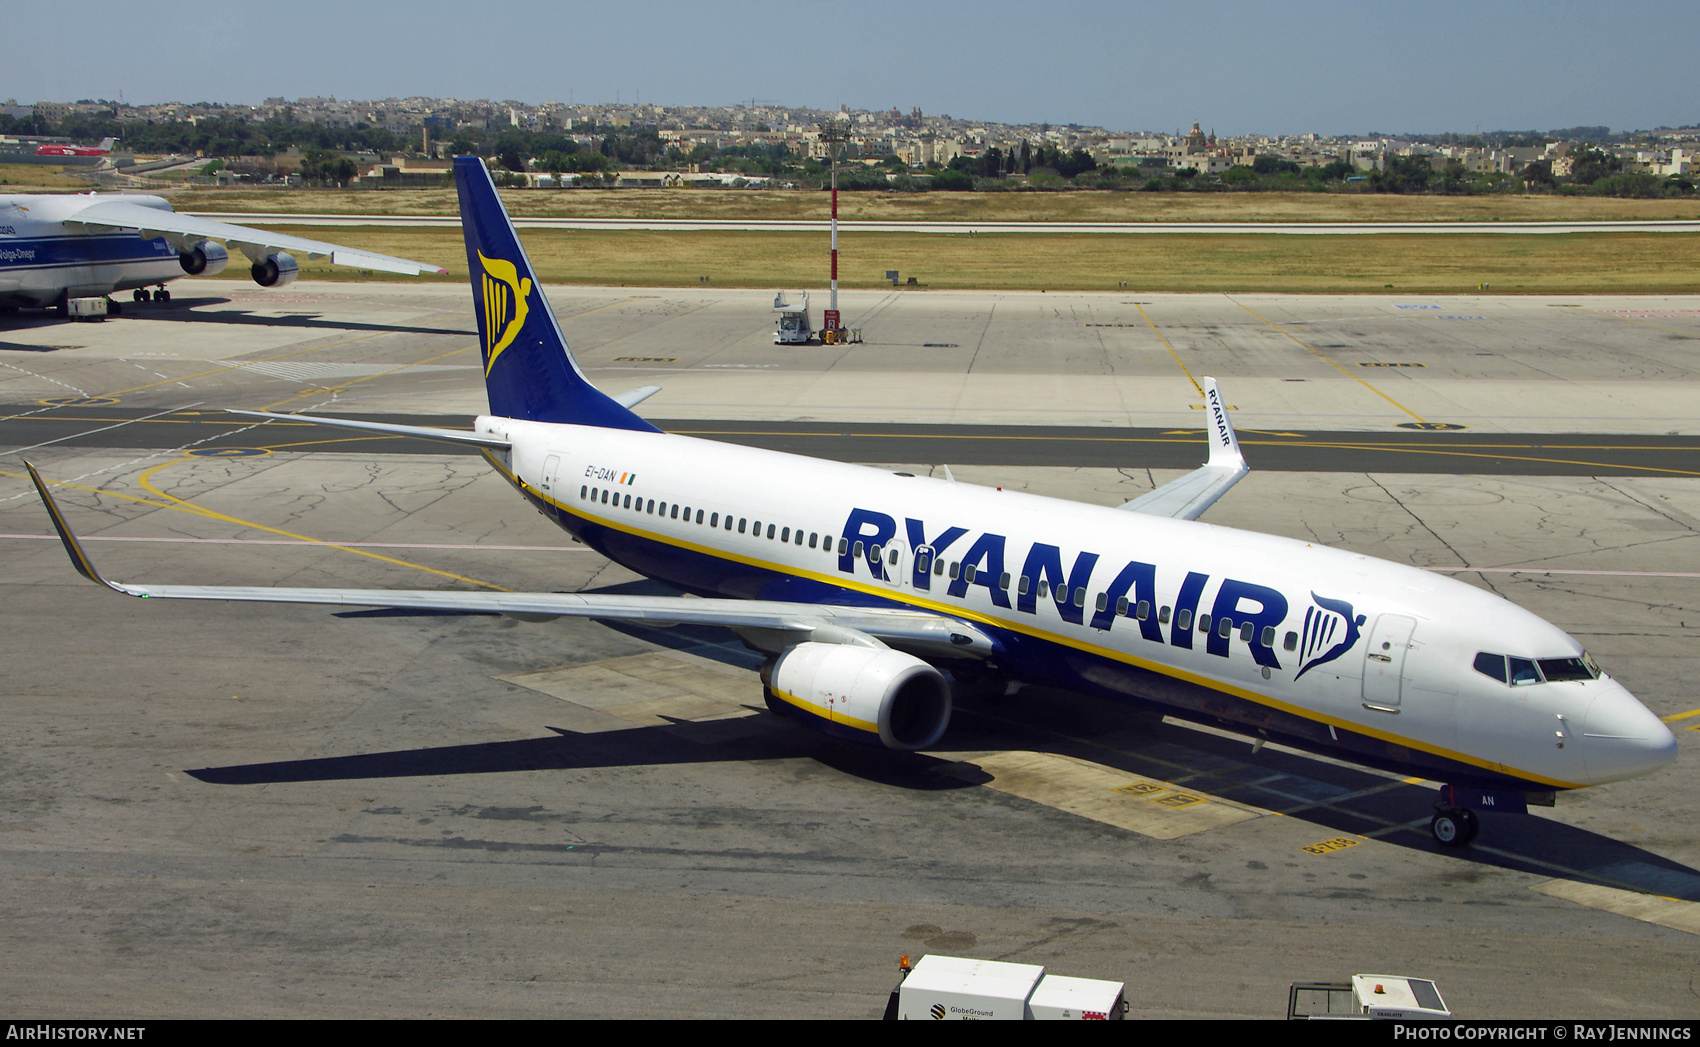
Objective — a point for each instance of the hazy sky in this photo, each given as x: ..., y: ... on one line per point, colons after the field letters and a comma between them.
x: 1234, y: 65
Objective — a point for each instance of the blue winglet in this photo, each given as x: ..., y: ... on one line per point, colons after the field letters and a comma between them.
x: 528, y: 371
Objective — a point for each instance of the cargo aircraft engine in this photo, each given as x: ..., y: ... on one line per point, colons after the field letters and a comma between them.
x: 204, y: 259
x: 872, y: 695
x: 275, y: 270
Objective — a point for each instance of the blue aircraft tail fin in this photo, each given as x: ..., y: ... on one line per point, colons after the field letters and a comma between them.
x: 528, y: 371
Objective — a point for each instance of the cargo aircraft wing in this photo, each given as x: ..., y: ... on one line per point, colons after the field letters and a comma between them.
x: 185, y: 231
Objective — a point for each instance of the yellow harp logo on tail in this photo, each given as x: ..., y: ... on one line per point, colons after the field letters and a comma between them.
x: 505, y: 294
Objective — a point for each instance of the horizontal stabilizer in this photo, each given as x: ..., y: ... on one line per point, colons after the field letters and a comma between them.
x: 422, y: 432
x: 637, y: 396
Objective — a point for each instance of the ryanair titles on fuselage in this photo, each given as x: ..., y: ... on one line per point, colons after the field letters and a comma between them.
x: 1256, y: 612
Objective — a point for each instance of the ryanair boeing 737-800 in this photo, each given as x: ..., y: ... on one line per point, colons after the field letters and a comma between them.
x: 865, y: 588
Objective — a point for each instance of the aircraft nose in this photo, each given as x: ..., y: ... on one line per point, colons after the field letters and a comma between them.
x: 1621, y: 738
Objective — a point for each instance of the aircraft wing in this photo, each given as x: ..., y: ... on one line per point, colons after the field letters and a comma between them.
x: 1186, y: 498
x: 787, y: 623
x: 182, y: 229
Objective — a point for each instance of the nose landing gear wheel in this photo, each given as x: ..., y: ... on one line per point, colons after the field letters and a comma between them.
x: 1454, y: 827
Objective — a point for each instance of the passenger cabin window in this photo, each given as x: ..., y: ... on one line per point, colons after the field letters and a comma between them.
x: 1183, y: 618
x: 1290, y: 642
x: 742, y: 520
x: 1163, y: 617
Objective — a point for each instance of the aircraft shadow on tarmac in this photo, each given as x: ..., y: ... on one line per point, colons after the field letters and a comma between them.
x: 202, y: 311
x: 1339, y: 800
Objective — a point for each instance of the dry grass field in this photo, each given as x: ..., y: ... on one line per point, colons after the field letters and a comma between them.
x: 1658, y: 263
x: 1086, y: 206
x: 40, y: 178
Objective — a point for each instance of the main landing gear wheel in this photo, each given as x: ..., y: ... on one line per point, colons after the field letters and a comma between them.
x: 1454, y: 827
x: 162, y: 295
x: 141, y: 294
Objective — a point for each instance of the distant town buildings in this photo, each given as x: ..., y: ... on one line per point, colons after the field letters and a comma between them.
x: 919, y: 140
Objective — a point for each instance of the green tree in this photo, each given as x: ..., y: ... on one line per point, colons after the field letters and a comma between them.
x: 1589, y: 165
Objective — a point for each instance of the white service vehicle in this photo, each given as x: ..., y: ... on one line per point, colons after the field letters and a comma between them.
x: 1389, y: 997
x: 792, y: 327
x: 955, y: 988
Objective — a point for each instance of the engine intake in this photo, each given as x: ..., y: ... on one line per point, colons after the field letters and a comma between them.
x: 875, y: 696
x: 204, y: 259
x: 275, y: 270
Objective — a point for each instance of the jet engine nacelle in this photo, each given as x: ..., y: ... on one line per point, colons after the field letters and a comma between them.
x: 204, y: 259
x: 872, y: 695
x: 275, y: 270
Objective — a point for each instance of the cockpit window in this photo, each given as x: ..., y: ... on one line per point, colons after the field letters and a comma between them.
x: 1491, y: 665
x: 1558, y: 670
x: 1519, y: 671
x: 1523, y: 671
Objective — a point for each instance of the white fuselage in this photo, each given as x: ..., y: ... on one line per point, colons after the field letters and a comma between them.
x: 42, y: 259
x: 1333, y: 650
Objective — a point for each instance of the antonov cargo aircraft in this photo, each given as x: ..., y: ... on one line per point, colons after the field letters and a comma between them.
x: 55, y: 248
x: 865, y: 588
